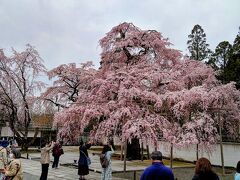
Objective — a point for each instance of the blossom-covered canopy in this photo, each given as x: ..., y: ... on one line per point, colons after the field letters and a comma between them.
x: 146, y: 89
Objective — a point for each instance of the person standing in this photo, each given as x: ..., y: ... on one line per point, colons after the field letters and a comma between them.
x: 107, y: 153
x: 157, y: 170
x: 3, y: 158
x: 203, y: 170
x: 14, y: 169
x: 57, y: 152
x: 14, y: 144
x: 45, y: 159
x: 83, y: 168
x: 237, y: 175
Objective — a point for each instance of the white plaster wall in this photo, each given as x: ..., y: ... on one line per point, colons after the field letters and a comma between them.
x: 231, y: 153
x: 7, y: 132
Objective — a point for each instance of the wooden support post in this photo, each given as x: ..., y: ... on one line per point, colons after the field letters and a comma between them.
x: 221, y: 145
x: 155, y: 148
x: 134, y: 175
x: 142, y: 151
x: 197, y: 152
x: 121, y: 156
x: 27, y: 153
x: 148, y: 154
x: 40, y: 144
x: 171, y: 156
x: 125, y: 157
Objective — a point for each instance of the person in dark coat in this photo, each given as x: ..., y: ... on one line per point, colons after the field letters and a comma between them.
x: 83, y: 168
x: 237, y: 175
x: 157, y: 170
x: 203, y: 170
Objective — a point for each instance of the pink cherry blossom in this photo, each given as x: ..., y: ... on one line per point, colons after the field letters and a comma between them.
x: 146, y: 89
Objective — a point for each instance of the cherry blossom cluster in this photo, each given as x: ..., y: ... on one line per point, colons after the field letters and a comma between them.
x: 145, y: 89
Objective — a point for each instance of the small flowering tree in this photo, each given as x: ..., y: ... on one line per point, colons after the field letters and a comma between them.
x: 144, y: 89
x: 18, y: 87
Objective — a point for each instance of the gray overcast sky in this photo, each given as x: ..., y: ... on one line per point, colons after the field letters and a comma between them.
x: 65, y: 31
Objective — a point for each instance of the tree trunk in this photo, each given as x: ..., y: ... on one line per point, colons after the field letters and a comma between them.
x: 25, y: 143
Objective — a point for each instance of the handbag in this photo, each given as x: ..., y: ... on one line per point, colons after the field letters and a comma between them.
x: 88, y: 159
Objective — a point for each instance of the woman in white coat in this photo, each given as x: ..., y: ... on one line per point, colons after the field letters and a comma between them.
x: 107, y: 152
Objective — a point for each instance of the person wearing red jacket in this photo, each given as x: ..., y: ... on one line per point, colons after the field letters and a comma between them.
x: 57, y: 152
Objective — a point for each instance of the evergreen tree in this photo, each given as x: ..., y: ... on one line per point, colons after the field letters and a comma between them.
x: 233, y: 67
x: 236, y: 44
x: 222, y: 55
x: 197, y: 44
x: 226, y: 59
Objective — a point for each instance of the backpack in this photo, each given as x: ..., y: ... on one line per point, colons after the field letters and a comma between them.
x: 104, y: 161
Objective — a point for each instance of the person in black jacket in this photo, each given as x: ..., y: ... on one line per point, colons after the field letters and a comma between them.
x: 203, y: 170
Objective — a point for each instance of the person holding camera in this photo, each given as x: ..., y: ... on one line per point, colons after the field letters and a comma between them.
x: 106, y: 162
x: 45, y: 158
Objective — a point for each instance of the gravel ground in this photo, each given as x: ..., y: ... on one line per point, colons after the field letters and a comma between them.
x: 180, y: 174
x: 187, y: 173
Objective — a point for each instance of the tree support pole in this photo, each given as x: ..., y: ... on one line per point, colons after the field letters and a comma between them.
x: 197, y: 153
x: 125, y: 157
x: 171, y: 156
x: 121, y: 156
x: 221, y: 145
x: 148, y: 154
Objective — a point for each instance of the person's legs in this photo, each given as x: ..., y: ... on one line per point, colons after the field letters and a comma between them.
x: 44, y: 172
x: 57, y: 161
x: 54, y: 162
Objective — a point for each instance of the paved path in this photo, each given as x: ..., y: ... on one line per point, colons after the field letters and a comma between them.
x: 32, y: 167
x: 32, y: 171
x: 70, y: 156
x: 68, y: 171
